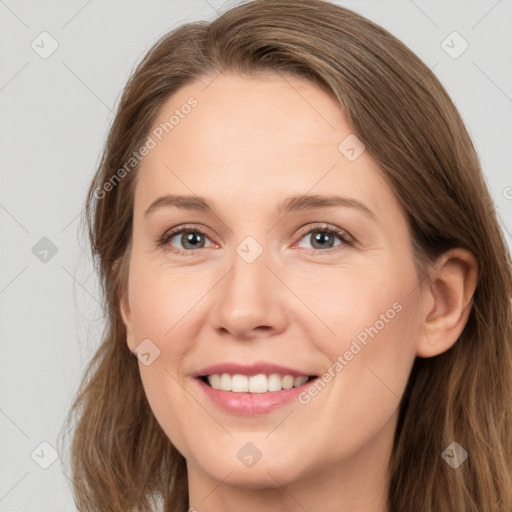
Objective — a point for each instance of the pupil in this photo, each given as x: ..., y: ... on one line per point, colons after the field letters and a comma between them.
x: 321, y: 237
x: 193, y: 239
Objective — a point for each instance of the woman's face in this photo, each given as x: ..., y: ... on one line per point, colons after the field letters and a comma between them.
x: 323, y: 285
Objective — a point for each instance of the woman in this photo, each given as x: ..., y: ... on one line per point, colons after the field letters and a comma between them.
x: 307, y: 290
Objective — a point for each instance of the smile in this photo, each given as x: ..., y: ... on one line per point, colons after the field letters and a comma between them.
x: 260, y: 383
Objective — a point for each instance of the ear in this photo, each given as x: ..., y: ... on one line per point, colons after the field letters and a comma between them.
x: 124, y: 307
x: 446, y: 301
x: 120, y: 270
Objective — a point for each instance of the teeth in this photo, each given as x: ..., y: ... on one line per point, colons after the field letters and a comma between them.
x: 239, y: 383
x: 225, y: 382
x: 255, y: 384
x: 260, y: 383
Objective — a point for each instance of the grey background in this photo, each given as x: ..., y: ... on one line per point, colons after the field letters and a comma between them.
x: 55, y: 114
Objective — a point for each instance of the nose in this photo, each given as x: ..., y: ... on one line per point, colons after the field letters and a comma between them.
x: 250, y: 301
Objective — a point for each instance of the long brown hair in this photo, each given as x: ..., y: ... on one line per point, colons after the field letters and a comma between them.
x: 120, y: 457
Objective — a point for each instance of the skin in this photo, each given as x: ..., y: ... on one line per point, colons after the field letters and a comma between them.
x: 249, y: 144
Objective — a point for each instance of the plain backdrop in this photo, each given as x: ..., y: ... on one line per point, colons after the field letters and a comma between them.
x: 55, y: 113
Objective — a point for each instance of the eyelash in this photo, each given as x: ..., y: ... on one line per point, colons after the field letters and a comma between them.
x: 346, y: 240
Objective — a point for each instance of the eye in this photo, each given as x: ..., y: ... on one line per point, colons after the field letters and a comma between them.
x: 324, y: 237
x: 188, y: 239
x: 184, y: 239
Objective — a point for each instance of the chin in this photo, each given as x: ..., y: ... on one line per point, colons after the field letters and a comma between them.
x: 262, y: 475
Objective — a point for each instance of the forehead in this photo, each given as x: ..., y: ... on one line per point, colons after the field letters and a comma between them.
x: 253, y: 139
x: 279, y: 111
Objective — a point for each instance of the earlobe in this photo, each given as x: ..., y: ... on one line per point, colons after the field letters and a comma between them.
x: 447, y: 294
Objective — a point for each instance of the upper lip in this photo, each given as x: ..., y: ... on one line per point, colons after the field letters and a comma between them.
x: 250, y: 369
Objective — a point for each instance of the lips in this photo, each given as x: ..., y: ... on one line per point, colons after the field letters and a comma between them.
x: 266, y: 368
x: 244, y: 390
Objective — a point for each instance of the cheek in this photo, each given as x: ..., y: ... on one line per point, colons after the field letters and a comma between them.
x: 370, y: 366
x: 374, y: 373
x: 163, y: 304
x: 172, y: 406
x: 369, y: 325
x: 163, y: 300
x: 354, y: 302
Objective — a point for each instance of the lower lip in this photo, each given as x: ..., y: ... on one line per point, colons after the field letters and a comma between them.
x: 248, y: 404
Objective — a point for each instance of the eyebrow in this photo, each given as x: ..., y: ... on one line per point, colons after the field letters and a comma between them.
x: 291, y: 204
